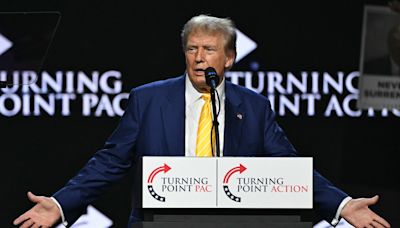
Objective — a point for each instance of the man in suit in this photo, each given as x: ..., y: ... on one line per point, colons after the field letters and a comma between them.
x: 162, y: 119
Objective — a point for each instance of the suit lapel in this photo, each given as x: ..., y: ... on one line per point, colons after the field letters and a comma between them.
x: 234, y: 117
x: 173, y: 114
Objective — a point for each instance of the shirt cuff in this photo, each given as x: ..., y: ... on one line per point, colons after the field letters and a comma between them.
x: 64, y: 223
x: 335, y: 220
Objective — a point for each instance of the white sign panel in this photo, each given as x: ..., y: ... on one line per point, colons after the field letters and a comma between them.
x: 228, y: 182
x: 265, y: 182
x: 179, y: 182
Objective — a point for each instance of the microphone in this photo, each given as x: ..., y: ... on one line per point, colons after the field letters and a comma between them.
x: 212, y: 78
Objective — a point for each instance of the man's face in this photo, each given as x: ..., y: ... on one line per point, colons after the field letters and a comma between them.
x: 205, y: 50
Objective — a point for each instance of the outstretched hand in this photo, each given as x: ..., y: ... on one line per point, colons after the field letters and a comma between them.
x: 44, y: 214
x: 357, y: 213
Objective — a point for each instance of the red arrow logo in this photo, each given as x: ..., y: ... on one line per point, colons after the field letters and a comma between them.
x: 228, y: 175
x: 164, y: 168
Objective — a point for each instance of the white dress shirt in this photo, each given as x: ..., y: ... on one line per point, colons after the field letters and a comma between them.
x: 193, y: 106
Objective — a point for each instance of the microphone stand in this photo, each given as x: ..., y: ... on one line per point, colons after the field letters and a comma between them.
x: 215, y: 122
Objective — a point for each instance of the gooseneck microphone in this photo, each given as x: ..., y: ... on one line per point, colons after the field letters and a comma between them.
x: 212, y: 80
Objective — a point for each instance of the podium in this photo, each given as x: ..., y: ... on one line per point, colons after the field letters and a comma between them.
x: 235, y: 196
x: 223, y: 218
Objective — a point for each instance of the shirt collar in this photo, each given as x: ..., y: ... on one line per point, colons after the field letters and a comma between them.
x: 192, y: 95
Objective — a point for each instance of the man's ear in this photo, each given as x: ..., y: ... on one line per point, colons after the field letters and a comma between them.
x: 230, y: 60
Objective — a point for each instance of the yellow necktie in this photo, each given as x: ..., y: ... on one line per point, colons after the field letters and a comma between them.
x: 203, y: 142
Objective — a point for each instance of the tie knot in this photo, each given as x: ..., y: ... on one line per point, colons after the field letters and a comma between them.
x: 206, y: 97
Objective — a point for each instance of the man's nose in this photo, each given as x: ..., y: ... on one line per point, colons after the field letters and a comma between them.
x: 200, y: 55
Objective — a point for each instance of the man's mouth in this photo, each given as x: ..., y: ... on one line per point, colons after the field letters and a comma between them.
x: 199, y: 72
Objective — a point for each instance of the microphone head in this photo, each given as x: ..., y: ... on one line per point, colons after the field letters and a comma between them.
x: 212, y: 78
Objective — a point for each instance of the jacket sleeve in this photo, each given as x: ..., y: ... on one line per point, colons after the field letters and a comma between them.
x: 327, y: 197
x: 107, y: 166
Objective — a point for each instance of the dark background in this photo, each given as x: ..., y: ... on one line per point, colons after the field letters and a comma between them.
x: 142, y: 40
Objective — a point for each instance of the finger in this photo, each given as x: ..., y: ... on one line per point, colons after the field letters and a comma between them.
x: 36, y: 226
x: 382, y: 221
x: 377, y: 224
x: 21, y: 218
x: 32, y: 197
x: 372, y: 200
x: 27, y: 223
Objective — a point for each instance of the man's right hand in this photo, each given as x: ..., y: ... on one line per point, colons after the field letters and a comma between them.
x: 44, y: 214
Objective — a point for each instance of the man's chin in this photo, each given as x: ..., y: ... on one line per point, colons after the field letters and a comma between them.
x: 202, y: 88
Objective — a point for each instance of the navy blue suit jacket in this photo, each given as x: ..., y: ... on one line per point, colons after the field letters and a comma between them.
x: 154, y: 125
